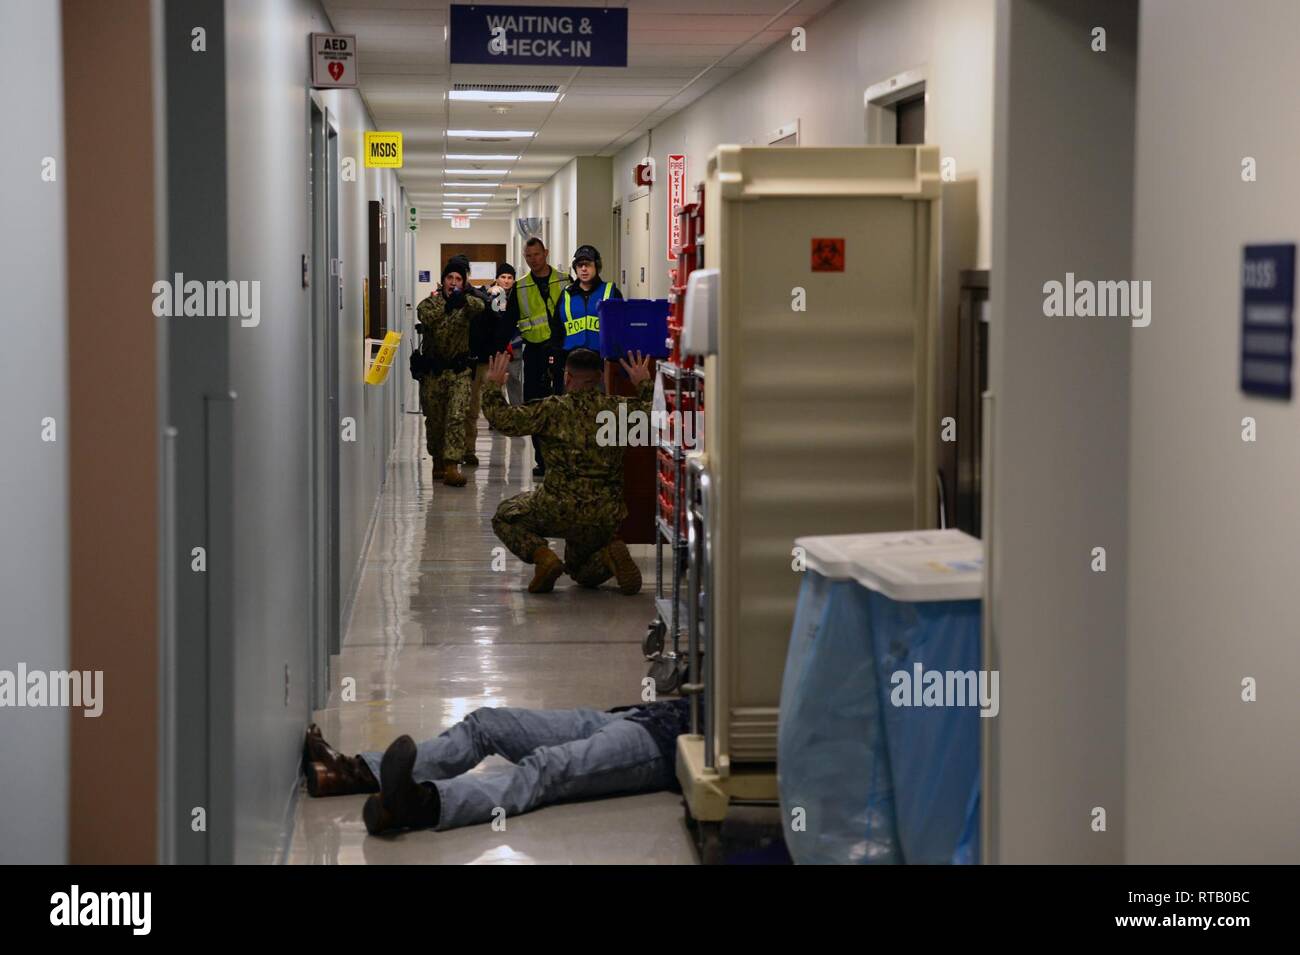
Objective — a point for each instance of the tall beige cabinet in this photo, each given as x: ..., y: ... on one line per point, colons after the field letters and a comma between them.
x: 820, y: 412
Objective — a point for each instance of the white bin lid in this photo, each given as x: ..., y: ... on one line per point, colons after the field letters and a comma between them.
x: 909, y: 566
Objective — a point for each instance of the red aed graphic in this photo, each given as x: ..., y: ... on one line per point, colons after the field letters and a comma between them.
x: 828, y: 255
x: 336, y: 70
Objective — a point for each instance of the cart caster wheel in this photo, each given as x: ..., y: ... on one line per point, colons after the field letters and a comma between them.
x: 652, y: 643
x: 667, y: 674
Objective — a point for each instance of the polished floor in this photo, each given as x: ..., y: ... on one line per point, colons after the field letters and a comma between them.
x: 443, y: 623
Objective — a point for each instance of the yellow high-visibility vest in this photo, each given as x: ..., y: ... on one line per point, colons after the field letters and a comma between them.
x: 534, y: 311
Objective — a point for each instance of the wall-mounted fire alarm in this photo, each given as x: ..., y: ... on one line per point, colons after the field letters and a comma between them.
x: 644, y: 174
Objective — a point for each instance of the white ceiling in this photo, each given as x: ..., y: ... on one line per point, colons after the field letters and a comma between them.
x: 677, y: 51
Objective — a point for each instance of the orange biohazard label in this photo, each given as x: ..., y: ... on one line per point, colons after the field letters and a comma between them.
x: 828, y: 255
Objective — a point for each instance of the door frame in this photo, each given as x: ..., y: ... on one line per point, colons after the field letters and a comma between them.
x: 880, y: 103
x: 324, y: 637
x: 616, y: 221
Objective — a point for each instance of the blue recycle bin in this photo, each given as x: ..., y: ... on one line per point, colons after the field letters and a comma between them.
x: 881, y: 782
x: 635, y: 324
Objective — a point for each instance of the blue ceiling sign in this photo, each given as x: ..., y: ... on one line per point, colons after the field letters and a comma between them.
x: 539, y: 36
x: 1267, y: 321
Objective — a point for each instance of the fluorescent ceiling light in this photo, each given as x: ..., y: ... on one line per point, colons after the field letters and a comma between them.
x: 497, y: 96
x: 484, y: 156
x: 476, y: 185
x: 468, y: 195
x: 476, y: 172
x: 491, y: 133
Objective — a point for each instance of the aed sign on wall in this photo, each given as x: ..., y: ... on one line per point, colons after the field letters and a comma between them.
x: 1267, y: 322
x: 333, y: 60
x: 384, y: 150
x: 539, y: 36
x: 676, y: 199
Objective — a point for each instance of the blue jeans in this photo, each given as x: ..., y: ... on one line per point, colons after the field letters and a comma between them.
x: 558, y: 755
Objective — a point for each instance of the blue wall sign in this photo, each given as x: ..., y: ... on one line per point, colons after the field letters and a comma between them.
x: 539, y: 36
x: 1267, y: 319
x: 424, y: 276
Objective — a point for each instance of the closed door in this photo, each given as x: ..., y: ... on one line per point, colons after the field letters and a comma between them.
x: 634, y: 269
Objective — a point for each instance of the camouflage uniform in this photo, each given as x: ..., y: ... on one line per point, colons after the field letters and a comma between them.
x: 581, y: 498
x: 444, y: 395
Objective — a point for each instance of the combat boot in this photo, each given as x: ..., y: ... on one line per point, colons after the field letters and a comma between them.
x: 402, y: 803
x: 452, y: 476
x: 624, y: 567
x: 470, y: 458
x: 549, y: 567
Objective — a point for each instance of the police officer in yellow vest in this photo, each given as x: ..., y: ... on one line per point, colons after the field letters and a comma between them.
x: 576, y: 323
x: 529, y: 308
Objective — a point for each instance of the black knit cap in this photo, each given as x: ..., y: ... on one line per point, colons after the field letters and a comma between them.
x: 505, y: 268
x: 459, y: 265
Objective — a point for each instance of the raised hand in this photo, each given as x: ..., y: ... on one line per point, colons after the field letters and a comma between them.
x: 639, y: 369
x: 498, y: 368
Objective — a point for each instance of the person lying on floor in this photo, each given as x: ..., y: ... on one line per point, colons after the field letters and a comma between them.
x: 557, y: 756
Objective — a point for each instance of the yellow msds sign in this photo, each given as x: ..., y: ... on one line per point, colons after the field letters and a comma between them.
x: 384, y: 150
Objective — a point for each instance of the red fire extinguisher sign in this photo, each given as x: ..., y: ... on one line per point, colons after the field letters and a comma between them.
x: 676, y: 199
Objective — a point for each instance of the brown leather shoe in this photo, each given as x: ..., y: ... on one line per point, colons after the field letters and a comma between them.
x: 624, y: 567
x: 452, y: 476
x: 549, y: 568
x: 329, y: 772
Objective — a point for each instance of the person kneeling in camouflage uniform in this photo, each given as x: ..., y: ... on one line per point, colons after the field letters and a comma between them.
x: 581, y: 497
x: 445, y: 370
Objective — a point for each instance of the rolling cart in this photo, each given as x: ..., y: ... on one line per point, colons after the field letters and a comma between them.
x: 846, y: 443
x: 681, y: 381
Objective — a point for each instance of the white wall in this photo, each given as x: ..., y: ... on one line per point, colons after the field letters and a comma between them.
x: 1214, y: 526
x: 1055, y: 482
x: 550, y: 201
x: 582, y: 190
x: 34, y: 477
x: 269, y: 223
x: 849, y: 47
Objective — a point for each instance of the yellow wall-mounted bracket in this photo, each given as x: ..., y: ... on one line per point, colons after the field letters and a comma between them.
x: 383, y: 360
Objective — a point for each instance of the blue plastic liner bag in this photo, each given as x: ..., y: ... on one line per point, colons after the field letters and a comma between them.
x: 927, y: 658
x: 832, y: 759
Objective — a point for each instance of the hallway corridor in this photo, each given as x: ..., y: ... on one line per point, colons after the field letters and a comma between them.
x: 436, y: 632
